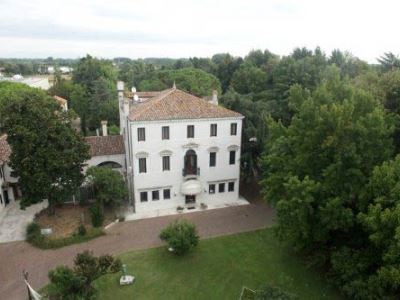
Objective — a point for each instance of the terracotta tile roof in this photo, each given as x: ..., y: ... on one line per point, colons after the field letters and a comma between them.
x: 174, y: 104
x: 105, y: 145
x: 5, y: 150
x: 60, y: 100
x: 99, y: 145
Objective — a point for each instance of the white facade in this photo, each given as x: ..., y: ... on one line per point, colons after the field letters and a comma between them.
x: 154, y: 148
x: 157, y: 189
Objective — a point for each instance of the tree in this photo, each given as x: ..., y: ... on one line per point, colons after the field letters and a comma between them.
x: 316, y: 169
x: 254, y: 131
x: 248, y: 79
x: 181, y: 236
x: 389, y: 62
x: 76, y: 283
x: 226, y: 65
x: 65, y: 284
x: 47, y: 154
x: 90, y: 69
x: 194, y: 81
x: 98, y: 79
x: 109, y: 185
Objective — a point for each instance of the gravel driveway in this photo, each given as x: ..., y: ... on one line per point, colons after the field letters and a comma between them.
x: 140, y: 234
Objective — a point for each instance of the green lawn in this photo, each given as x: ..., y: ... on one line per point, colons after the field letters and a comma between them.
x: 217, y: 269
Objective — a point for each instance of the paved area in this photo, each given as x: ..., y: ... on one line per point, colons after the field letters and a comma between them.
x: 122, y: 237
x: 129, y: 216
x: 13, y: 221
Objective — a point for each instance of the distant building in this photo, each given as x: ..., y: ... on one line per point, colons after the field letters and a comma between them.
x: 41, y: 82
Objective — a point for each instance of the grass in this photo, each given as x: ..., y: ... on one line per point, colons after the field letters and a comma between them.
x: 217, y: 269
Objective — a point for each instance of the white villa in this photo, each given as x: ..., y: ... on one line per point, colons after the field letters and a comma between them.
x: 181, y: 150
x: 176, y: 152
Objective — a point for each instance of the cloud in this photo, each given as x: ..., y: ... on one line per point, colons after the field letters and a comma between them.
x: 178, y: 28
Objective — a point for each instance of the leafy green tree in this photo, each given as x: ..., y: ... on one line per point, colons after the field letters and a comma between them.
x: 98, y: 79
x: 109, y: 186
x: 47, y: 154
x: 194, y: 81
x: 76, y: 283
x: 181, y: 236
x: 248, y: 79
x: 66, y: 284
x: 316, y: 169
x: 254, y: 133
x: 90, y: 69
x: 389, y: 62
x: 226, y: 65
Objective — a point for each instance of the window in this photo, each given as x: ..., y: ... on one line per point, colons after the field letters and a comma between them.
x: 233, y: 128
x: 141, y: 134
x: 190, y: 131
x: 213, y: 159
x: 221, y: 187
x: 165, y: 163
x: 142, y: 165
x: 167, y: 194
x: 143, y: 196
x: 165, y: 132
x: 231, y: 186
x: 211, y: 189
x: 213, y: 130
x: 155, y: 195
x: 232, y: 157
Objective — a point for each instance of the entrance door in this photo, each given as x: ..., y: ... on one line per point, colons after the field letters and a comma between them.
x: 189, y: 199
x: 6, y: 199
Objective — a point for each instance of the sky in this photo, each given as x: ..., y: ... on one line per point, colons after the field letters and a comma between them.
x: 187, y: 28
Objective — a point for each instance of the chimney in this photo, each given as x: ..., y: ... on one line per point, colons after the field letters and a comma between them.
x: 120, y: 89
x: 120, y: 86
x: 104, y: 128
x: 126, y: 107
x: 214, y: 99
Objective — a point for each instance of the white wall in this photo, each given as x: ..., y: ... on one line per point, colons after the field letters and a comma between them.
x: 178, y: 144
x: 96, y: 160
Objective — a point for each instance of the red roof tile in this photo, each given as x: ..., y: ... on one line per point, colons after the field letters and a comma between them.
x: 174, y: 104
x: 5, y: 150
x: 105, y: 145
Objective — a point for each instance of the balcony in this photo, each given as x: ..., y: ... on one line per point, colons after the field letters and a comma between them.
x: 190, y: 172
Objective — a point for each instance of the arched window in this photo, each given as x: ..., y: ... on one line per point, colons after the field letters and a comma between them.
x: 110, y: 164
x: 190, y: 163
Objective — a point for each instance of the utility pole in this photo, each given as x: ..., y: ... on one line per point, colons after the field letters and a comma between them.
x: 25, y: 274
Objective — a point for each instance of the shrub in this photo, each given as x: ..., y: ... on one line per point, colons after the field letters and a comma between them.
x: 66, y: 284
x: 97, y: 216
x: 33, y: 234
x: 109, y: 185
x: 116, y: 266
x: 43, y: 242
x: 82, y: 230
x: 181, y: 236
x: 76, y: 283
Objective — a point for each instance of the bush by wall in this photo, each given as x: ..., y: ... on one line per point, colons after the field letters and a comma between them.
x: 35, y: 238
x: 97, y: 215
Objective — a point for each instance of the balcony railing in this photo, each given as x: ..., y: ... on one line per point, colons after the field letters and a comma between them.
x: 191, y: 171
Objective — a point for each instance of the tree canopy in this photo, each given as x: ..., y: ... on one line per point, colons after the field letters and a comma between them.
x: 47, y: 154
